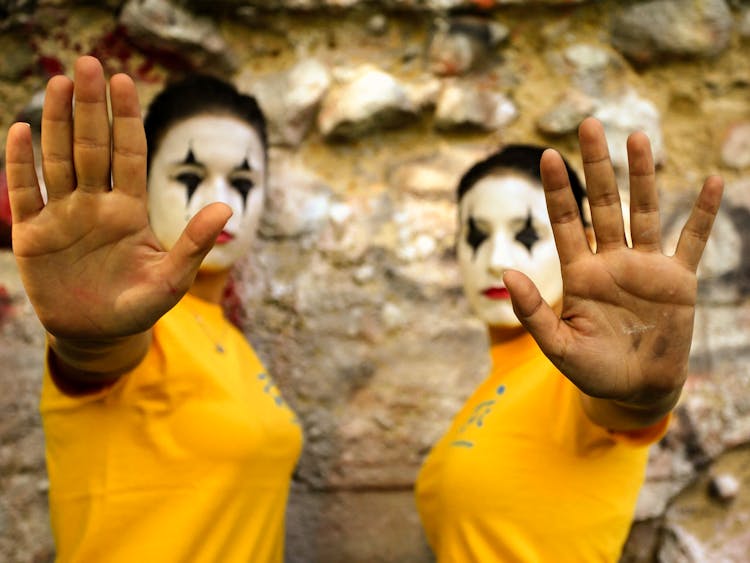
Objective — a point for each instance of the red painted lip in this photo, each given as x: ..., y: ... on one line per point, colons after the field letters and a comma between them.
x: 496, y: 293
x: 224, y: 237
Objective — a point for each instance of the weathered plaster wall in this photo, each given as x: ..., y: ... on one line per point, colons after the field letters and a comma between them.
x: 351, y: 295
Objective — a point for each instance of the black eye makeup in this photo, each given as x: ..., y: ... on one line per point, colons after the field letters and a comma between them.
x: 191, y: 179
x: 243, y: 185
x: 191, y: 173
x: 474, y: 235
x: 528, y: 235
x: 241, y: 181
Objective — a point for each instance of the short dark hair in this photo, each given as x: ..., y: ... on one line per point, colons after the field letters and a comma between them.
x: 199, y: 94
x: 522, y: 159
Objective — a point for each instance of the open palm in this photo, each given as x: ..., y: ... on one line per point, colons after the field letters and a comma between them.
x: 89, y: 261
x: 626, y: 325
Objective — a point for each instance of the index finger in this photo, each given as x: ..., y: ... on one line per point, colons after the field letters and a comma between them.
x: 695, y: 233
x: 562, y: 207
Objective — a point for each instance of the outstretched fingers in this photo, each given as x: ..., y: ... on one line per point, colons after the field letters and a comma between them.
x: 128, y: 138
x: 23, y: 186
x: 562, y: 207
x: 645, y: 228
x: 601, y: 185
x: 91, y: 135
x: 698, y: 226
x: 57, y: 138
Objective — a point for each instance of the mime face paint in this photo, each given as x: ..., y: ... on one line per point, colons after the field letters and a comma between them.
x: 504, y: 225
x: 201, y: 160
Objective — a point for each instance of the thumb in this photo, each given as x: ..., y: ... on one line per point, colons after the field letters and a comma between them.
x: 197, y: 240
x: 534, y: 313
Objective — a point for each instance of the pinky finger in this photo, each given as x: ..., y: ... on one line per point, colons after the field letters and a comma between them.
x: 23, y: 186
x: 698, y: 226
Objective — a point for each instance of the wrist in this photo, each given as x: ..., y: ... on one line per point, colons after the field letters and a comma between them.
x: 628, y: 415
x: 97, y: 361
x: 656, y: 407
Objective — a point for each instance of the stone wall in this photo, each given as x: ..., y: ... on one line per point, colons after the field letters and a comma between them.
x: 351, y: 295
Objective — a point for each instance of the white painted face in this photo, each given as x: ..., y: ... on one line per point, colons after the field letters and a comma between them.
x: 201, y: 160
x: 504, y: 225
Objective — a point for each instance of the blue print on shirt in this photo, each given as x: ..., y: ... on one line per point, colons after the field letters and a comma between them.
x: 476, y: 419
x: 270, y: 389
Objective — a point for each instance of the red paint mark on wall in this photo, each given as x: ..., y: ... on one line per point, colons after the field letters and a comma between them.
x: 117, y: 54
x: 51, y: 65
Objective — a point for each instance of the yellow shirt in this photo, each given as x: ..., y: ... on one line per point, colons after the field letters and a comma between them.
x: 523, y: 475
x: 188, y: 458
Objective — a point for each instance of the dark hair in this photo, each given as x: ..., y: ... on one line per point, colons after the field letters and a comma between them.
x: 522, y: 159
x: 199, y: 94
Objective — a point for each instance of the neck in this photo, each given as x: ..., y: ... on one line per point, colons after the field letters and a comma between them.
x: 209, y: 286
x: 500, y: 334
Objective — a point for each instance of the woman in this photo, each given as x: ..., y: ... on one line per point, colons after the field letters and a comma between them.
x: 545, y: 461
x: 166, y: 439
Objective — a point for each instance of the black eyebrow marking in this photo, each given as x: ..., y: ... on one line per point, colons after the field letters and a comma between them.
x: 190, y: 157
x: 244, y: 166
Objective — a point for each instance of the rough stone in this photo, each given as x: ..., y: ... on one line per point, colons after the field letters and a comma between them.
x: 416, y: 5
x: 434, y: 176
x: 466, y: 105
x: 645, y: 31
x: 743, y: 26
x: 461, y: 44
x: 424, y: 91
x: 368, y: 100
x: 424, y: 228
x: 700, y: 528
x: 297, y: 200
x: 724, y: 486
x: 735, y: 152
x: 18, y: 56
x: 164, y: 27
x: 566, y: 116
x: 291, y: 99
x: 624, y: 115
x: 23, y: 519
x: 350, y: 527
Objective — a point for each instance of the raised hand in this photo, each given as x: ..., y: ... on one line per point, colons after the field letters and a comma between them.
x: 90, y: 264
x: 626, y: 325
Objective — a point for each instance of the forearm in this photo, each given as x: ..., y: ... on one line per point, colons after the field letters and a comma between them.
x: 621, y: 416
x: 95, y: 362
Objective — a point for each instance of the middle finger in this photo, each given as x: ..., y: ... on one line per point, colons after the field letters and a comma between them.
x: 91, y: 137
x: 601, y: 185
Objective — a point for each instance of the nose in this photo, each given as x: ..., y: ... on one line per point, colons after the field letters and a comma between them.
x: 219, y: 189
x: 501, y: 252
